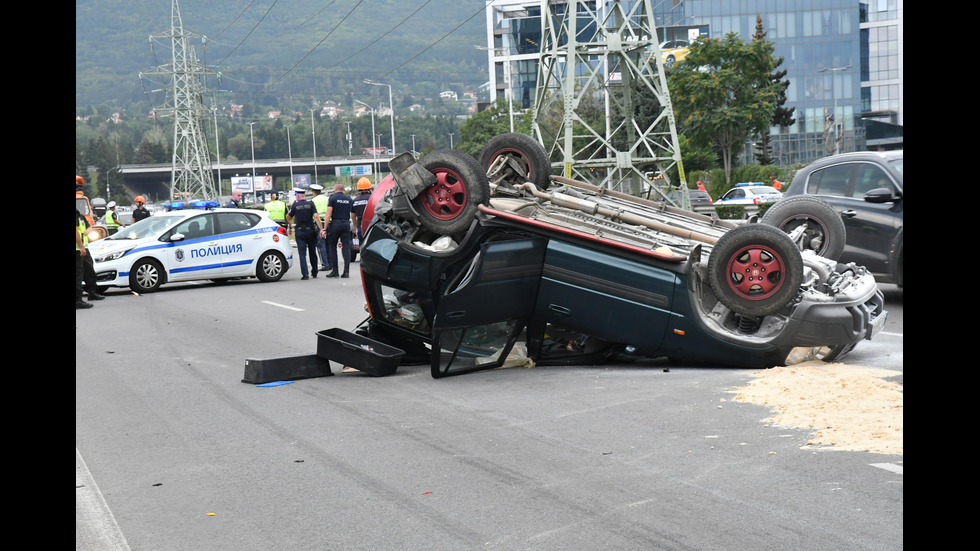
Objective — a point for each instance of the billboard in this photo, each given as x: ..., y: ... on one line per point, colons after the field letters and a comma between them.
x: 262, y: 183
x: 301, y: 181
x: 241, y: 183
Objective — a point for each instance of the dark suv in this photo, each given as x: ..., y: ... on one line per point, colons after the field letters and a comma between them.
x: 866, y: 189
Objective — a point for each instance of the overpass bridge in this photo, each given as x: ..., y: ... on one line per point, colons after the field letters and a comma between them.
x: 153, y: 180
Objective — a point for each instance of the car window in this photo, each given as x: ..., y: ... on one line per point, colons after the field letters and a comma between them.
x: 830, y: 181
x: 736, y: 193
x: 195, y: 227
x: 897, y: 164
x: 229, y: 222
x: 869, y: 177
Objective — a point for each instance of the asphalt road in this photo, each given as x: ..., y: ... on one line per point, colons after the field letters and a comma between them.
x: 175, y: 452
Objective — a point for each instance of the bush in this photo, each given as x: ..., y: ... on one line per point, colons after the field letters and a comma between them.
x: 731, y: 212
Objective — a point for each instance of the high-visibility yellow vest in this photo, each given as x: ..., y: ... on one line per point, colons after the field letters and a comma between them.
x: 81, y: 229
x: 276, y: 210
x: 321, y: 202
x: 110, y: 220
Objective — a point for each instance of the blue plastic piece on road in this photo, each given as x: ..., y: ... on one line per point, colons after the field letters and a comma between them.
x: 276, y: 383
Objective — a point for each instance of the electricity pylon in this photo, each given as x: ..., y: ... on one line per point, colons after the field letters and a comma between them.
x: 191, y: 173
x: 597, y: 56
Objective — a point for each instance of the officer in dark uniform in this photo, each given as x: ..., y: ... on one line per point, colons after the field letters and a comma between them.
x: 360, y: 203
x: 338, y: 228
x: 306, y: 230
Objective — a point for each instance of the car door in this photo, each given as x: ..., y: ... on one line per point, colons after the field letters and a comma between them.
x: 236, y: 242
x: 606, y: 296
x: 193, y: 256
x: 485, y: 306
x: 871, y: 227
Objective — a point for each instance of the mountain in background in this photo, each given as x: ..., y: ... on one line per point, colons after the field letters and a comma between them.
x: 269, y: 50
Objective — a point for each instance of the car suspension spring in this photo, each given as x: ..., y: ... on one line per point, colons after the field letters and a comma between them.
x: 747, y: 324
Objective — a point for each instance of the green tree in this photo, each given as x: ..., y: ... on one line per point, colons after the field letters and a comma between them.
x: 722, y: 93
x: 783, y: 116
x: 492, y: 121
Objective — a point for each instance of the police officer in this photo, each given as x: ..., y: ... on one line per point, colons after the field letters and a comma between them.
x: 307, y: 229
x: 236, y: 200
x: 277, y: 210
x: 338, y: 229
x: 112, y: 224
x: 360, y: 202
x: 140, y: 212
x: 84, y: 267
x: 320, y: 201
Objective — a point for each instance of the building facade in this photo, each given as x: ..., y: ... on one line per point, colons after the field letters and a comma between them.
x: 843, y: 61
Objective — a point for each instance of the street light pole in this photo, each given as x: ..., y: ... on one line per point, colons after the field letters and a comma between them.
x: 316, y: 177
x: 450, y: 140
x: 289, y: 146
x: 833, y: 92
x: 252, y: 139
x: 391, y: 105
x: 217, y: 152
x: 374, y: 150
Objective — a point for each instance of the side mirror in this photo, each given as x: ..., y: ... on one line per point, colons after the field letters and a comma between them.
x: 881, y: 195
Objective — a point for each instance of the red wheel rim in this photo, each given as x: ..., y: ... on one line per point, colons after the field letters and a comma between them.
x: 447, y: 197
x: 755, y: 273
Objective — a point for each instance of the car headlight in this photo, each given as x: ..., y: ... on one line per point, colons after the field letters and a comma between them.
x: 111, y: 256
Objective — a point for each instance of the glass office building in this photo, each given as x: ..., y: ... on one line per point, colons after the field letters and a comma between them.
x: 843, y: 62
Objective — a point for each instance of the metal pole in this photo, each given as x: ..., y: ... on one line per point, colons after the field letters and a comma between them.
x: 289, y: 146
x: 217, y: 152
x: 316, y: 176
x: 252, y: 139
x: 391, y: 104
x: 350, y: 142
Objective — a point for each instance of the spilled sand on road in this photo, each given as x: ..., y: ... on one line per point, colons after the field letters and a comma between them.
x: 848, y: 407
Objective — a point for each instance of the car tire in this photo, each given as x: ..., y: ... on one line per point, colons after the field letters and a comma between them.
x: 146, y: 276
x: 824, y: 234
x: 448, y: 206
x: 529, y: 155
x: 671, y: 60
x: 270, y: 267
x: 755, y: 270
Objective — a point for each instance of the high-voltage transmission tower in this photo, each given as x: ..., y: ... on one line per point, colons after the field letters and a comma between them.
x: 191, y: 173
x: 595, y: 57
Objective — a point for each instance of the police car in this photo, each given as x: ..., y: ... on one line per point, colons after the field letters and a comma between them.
x: 193, y: 241
x: 749, y: 193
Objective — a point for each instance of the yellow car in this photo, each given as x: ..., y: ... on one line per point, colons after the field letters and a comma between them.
x: 672, y: 51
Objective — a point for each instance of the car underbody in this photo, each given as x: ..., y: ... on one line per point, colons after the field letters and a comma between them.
x: 585, y: 274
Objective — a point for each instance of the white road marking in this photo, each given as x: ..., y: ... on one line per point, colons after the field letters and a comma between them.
x: 897, y: 469
x: 276, y: 304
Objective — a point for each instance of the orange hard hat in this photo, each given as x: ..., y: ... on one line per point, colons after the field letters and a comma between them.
x: 363, y: 183
x: 139, y: 199
x: 79, y: 180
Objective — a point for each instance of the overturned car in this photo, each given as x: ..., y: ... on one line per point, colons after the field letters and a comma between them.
x: 463, y: 258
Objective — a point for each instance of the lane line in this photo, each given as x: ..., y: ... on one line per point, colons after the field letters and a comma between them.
x: 277, y: 305
x: 897, y: 469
